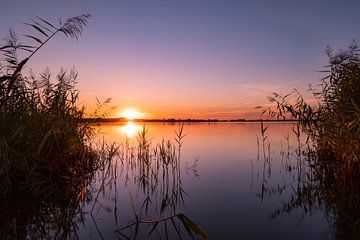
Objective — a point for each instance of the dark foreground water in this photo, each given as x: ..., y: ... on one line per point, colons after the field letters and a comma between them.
x: 232, y: 181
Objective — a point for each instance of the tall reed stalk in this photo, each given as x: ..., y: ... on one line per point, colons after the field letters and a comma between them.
x: 41, y: 135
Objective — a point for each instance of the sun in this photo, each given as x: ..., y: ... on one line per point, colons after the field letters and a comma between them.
x: 131, y: 113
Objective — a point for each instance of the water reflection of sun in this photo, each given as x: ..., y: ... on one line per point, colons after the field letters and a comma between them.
x: 130, y: 129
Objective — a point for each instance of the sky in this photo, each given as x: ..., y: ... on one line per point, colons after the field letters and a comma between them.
x: 190, y: 58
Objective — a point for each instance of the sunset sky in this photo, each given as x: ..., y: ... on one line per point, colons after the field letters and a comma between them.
x: 190, y: 58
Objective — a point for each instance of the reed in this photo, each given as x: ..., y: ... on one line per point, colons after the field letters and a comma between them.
x: 331, y: 153
x: 333, y: 121
x: 41, y: 135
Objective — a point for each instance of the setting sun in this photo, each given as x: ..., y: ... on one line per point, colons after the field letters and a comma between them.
x: 131, y: 113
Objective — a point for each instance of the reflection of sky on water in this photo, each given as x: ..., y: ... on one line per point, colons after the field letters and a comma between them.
x: 223, y: 201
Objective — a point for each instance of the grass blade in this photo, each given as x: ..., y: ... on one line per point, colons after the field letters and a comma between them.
x: 35, y: 38
x: 37, y: 28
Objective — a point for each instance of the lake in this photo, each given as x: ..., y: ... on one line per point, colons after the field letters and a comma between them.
x: 232, y: 181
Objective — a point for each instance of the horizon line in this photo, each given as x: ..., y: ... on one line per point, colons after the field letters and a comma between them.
x: 122, y: 119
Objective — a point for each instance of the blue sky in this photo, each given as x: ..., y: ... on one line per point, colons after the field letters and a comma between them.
x: 216, y: 59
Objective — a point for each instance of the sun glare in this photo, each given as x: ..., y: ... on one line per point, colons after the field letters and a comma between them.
x: 131, y: 113
x: 130, y: 129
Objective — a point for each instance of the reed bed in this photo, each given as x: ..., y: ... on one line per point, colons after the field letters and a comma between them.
x: 330, y: 153
x: 49, y: 162
x: 41, y: 135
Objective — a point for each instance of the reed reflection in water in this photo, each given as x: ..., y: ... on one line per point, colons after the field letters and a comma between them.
x: 135, y: 192
x: 146, y: 176
x: 223, y: 193
x: 222, y: 176
x: 312, y: 181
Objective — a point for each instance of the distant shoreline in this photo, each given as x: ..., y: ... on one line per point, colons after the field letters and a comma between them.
x: 172, y: 120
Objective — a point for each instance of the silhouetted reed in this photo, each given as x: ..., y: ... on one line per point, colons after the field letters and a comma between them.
x: 45, y: 155
x: 333, y: 121
x: 41, y: 135
x: 326, y: 167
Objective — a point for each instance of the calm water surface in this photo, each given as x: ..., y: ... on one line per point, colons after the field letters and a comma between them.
x: 230, y: 183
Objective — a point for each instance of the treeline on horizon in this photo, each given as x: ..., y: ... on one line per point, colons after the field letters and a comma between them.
x: 105, y: 120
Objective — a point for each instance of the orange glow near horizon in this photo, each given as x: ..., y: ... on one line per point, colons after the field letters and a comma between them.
x: 137, y: 109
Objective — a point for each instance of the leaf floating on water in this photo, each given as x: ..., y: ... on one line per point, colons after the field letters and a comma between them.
x: 186, y: 226
x: 191, y: 225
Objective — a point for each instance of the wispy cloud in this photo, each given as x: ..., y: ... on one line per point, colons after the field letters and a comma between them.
x: 262, y: 89
x: 99, y: 94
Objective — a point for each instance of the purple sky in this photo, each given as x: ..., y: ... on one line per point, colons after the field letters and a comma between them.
x: 201, y: 59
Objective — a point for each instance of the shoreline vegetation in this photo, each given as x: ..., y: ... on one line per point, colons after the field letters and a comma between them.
x: 42, y: 140
x: 50, y: 160
x: 331, y: 153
